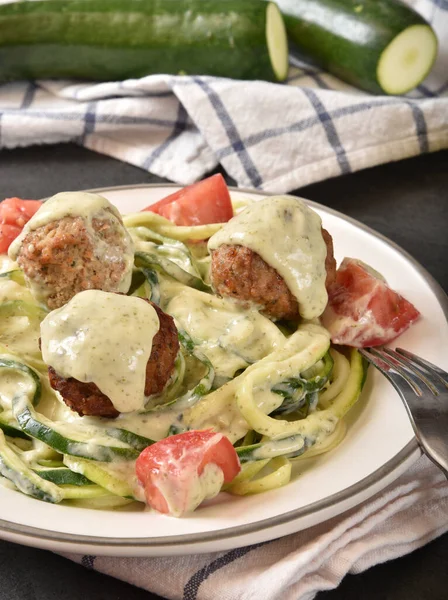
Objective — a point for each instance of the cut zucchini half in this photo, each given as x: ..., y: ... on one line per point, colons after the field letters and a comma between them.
x: 407, y: 60
x: 277, y: 41
x: 380, y: 46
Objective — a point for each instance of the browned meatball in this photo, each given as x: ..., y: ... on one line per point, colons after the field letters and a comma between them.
x: 87, y: 399
x: 61, y: 258
x: 240, y: 273
x: 165, y: 347
x: 83, y: 398
x: 330, y: 262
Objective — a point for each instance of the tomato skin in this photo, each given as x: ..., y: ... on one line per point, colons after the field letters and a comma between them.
x: 14, y: 210
x: 178, y: 461
x: 14, y: 214
x: 8, y: 234
x: 207, y: 201
x: 362, y: 310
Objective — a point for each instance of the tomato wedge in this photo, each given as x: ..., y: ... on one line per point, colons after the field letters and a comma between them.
x: 362, y: 310
x: 175, y: 472
x: 14, y: 213
x: 205, y: 202
x: 8, y: 234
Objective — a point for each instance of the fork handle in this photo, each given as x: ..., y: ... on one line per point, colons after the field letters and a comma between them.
x: 429, y: 419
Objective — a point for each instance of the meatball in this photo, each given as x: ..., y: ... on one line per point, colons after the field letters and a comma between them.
x: 87, y: 399
x: 61, y: 258
x: 330, y: 262
x: 240, y: 273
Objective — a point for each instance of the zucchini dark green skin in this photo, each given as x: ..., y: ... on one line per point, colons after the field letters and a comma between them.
x: 145, y: 259
x: 23, y: 484
x: 119, y: 39
x: 249, y: 453
x: 12, y: 364
x: 346, y: 37
x: 134, y: 440
x: 30, y: 424
x: 63, y: 476
x: 25, y: 480
x: 11, y: 431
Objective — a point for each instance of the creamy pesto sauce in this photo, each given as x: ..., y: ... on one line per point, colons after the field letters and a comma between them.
x: 40, y: 451
x: 286, y: 233
x: 219, y: 411
x: 18, y: 333
x: 90, y: 434
x: 125, y: 471
x: 10, y: 290
x: 10, y: 382
x: 230, y: 337
x: 278, y: 447
x: 88, y: 207
x: 103, y: 338
x: 153, y: 425
x: 266, y: 400
x: 6, y: 264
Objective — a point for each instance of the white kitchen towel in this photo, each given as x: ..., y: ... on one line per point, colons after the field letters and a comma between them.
x: 408, y: 514
x: 275, y: 137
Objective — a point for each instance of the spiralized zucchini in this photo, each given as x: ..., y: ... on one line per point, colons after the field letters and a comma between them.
x: 286, y: 406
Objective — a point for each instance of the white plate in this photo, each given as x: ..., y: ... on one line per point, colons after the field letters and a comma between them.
x: 379, y: 445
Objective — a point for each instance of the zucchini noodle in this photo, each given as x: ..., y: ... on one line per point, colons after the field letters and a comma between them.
x: 281, y: 400
x: 279, y: 477
x: 341, y: 371
x: 166, y: 228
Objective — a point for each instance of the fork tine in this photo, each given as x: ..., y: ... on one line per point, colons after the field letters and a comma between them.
x: 385, y: 366
x: 425, y: 364
x: 431, y: 381
x: 411, y: 379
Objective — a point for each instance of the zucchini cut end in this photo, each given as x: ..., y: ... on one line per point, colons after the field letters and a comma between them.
x: 407, y: 60
x: 277, y: 41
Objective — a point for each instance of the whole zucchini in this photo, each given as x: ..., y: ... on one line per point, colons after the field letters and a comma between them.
x: 119, y: 39
x: 381, y: 46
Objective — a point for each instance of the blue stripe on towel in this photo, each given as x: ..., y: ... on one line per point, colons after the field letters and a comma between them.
x: 420, y: 126
x: 442, y: 4
x: 307, y: 123
x: 192, y: 586
x: 232, y: 133
x: 89, y: 119
x: 29, y: 95
x: 88, y: 561
x: 179, y: 127
x: 330, y: 129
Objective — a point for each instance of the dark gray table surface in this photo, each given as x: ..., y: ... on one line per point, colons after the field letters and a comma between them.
x: 406, y: 201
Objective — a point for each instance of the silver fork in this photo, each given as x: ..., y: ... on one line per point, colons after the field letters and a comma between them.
x: 423, y: 387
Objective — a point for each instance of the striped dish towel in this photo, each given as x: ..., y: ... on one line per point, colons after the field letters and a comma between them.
x: 406, y: 515
x: 273, y: 137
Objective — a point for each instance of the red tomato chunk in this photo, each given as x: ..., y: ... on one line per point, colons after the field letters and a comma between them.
x: 14, y: 214
x: 205, y: 202
x: 362, y: 310
x: 173, y: 471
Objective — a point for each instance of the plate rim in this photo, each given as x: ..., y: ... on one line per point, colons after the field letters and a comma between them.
x: 187, y: 539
